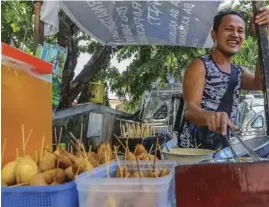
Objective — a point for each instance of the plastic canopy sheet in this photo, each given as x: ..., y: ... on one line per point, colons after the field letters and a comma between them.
x: 183, y: 23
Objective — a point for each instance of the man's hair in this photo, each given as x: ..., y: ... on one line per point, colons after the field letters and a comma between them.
x: 217, y: 19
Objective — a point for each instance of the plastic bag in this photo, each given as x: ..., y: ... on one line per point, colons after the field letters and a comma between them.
x: 56, y: 55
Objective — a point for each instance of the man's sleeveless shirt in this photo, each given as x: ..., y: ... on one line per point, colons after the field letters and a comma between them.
x: 215, y: 88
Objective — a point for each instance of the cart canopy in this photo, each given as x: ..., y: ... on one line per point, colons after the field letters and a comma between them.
x: 182, y: 23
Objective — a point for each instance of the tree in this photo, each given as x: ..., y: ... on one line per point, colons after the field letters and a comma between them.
x: 16, y: 24
x: 70, y: 36
x: 149, y: 64
x: 248, y: 54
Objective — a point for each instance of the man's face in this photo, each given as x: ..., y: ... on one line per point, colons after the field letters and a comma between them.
x: 230, y: 35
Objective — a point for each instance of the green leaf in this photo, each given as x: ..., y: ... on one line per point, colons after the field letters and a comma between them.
x: 16, y: 27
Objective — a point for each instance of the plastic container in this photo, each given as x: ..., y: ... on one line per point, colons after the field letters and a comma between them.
x: 65, y: 195
x: 22, y: 82
x: 63, y: 146
x: 95, y: 189
x: 96, y: 91
x: 188, y: 156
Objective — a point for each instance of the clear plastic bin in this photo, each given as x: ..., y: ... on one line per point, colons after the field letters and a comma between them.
x: 95, y: 189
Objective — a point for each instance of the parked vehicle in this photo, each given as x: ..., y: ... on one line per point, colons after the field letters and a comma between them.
x: 159, y: 107
x: 251, y: 119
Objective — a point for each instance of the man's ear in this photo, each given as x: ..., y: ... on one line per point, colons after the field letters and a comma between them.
x: 213, y: 35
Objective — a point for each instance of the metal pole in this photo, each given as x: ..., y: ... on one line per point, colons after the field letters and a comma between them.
x: 263, y: 45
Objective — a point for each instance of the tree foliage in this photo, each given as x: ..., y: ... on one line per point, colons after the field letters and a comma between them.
x: 150, y: 63
x: 248, y: 54
x: 16, y: 24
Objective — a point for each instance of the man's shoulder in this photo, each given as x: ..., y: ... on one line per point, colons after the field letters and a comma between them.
x: 239, y: 67
x: 205, y: 57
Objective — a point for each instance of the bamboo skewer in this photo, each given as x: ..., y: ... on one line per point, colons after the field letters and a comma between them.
x: 55, y: 137
x: 71, y: 149
x: 117, y: 158
x: 150, y: 149
x: 76, y: 147
x: 119, y: 141
x: 28, y: 137
x: 121, y: 131
x: 107, y: 169
x: 74, y: 138
x: 60, y: 137
x: 81, y: 132
x: 17, y: 185
x: 154, y: 161
x: 90, y: 149
x: 198, y: 146
x: 84, y: 151
x: 58, y: 163
x: 80, y: 145
x: 147, y: 159
x: 161, y: 155
x: 136, y: 130
x: 124, y: 131
x: 42, y: 146
x: 135, y: 149
x: 138, y: 168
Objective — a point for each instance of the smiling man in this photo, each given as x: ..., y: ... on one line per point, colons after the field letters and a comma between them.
x: 212, y: 84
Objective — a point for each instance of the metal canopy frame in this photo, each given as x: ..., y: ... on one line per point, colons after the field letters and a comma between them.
x: 263, y: 45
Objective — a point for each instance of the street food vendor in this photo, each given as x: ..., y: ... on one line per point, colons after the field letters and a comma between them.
x: 212, y: 83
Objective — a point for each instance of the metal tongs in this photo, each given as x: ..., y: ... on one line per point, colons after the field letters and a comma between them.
x: 236, y: 158
x: 238, y: 134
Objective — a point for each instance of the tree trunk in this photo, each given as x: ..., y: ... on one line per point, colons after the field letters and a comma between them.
x: 66, y: 39
x: 99, y: 60
x: 84, y: 96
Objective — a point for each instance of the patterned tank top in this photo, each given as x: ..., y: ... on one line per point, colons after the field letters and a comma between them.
x: 215, y: 87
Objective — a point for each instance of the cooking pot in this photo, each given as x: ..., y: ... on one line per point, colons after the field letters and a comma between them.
x: 258, y: 144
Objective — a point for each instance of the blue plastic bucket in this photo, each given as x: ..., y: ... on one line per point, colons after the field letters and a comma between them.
x: 64, y: 195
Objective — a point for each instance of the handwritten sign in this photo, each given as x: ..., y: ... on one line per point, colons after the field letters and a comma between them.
x: 183, y: 23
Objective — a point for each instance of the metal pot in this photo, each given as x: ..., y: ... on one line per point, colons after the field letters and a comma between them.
x: 258, y: 144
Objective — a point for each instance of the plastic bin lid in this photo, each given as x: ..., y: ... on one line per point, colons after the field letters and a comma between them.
x: 62, y: 145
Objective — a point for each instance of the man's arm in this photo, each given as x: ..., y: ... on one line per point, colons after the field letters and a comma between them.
x: 251, y: 81
x: 193, y: 87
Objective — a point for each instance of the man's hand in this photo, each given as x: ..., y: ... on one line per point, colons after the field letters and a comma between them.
x: 218, y: 122
x: 261, y: 19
